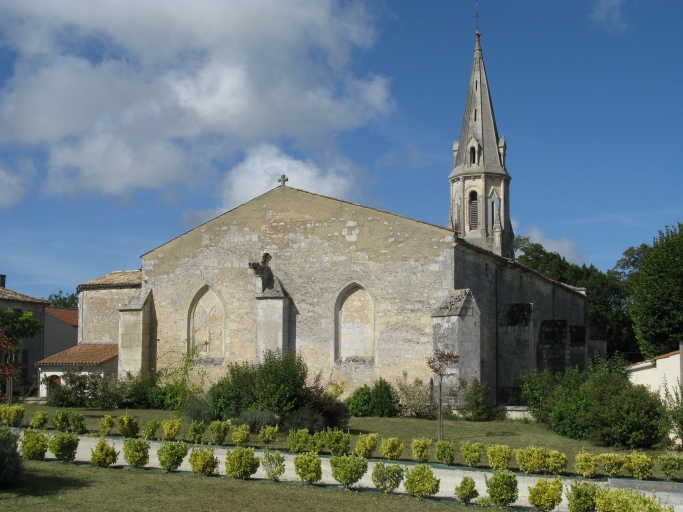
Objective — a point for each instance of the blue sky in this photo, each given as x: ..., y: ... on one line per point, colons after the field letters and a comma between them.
x: 125, y: 124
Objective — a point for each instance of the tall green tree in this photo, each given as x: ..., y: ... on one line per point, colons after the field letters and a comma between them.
x: 656, y: 305
x: 63, y: 300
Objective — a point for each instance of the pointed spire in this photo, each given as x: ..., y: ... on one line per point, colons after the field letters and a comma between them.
x: 478, y: 149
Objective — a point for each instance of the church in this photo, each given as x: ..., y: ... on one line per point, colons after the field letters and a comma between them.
x: 359, y: 292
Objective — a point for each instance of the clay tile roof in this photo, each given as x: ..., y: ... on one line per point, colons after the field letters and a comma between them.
x: 117, y: 279
x: 85, y: 353
x: 7, y: 294
x: 68, y: 316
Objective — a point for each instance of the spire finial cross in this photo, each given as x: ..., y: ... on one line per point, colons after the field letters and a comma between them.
x: 283, y: 179
x: 476, y: 13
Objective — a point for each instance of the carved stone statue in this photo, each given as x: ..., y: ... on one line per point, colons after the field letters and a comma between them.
x: 263, y: 270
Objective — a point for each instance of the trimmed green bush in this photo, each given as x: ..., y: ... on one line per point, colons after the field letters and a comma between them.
x: 366, y: 444
x: 195, y: 434
x: 586, y: 464
x: 39, y: 420
x: 546, y: 495
x: 7, y: 433
x: 268, y: 434
x: 532, y: 459
x: 12, y: 415
x: 241, y: 435
x: 472, y: 453
x: 219, y: 431
x: 171, y: 455
x: 107, y: 423
x: 307, y: 466
x: 273, y: 464
x: 64, y: 446
x: 499, y: 456
x: 202, y: 461
x: 421, y: 482
x: 444, y: 452
x: 127, y: 426
x: 383, y: 401
x: 33, y: 445
x: 337, y: 441
x: 502, y: 488
x: 640, y: 465
x: 348, y: 469
x: 316, y: 442
x: 670, y: 465
x: 241, y: 463
x: 103, y: 455
x: 421, y: 449
x: 149, y: 429
x: 581, y: 497
x: 387, y: 478
x: 627, y: 500
x: 359, y: 401
x: 69, y: 421
x: 556, y: 462
x: 466, y: 491
x: 136, y: 452
x: 298, y: 440
x: 614, y: 463
x: 171, y: 429
x: 391, y: 448
x: 11, y: 463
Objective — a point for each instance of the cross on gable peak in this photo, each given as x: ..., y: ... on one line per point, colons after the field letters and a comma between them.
x: 283, y: 179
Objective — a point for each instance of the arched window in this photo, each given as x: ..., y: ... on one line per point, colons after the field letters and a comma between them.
x: 206, y: 330
x: 355, y: 337
x: 473, y: 156
x: 474, y: 211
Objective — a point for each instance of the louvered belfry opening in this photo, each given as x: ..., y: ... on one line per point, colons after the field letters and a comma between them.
x: 474, y: 211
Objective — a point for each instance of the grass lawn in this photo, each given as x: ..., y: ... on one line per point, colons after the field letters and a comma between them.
x: 516, y: 434
x: 55, y: 486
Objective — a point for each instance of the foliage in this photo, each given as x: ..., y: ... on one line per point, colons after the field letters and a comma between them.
x: 107, y: 423
x: 421, y: 482
x: 64, y: 446
x: 391, y: 448
x: 546, y: 495
x: 33, y: 445
x: 329, y: 410
x: 586, y: 464
x: 581, y: 497
x: 627, y: 500
x: 670, y: 465
x: 673, y: 398
x: 383, y: 401
x: 127, y: 426
x: 656, y: 305
x: 359, y: 401
x: 219, y: 430
x: 196, y: 407
x: 203, y: 462
x: 439, y: 364
x: 444, y: 452
x: 640, y: 465
x: 171, y: 428
x: 416, y: 399
x: 256, y: 419
x: 466, y: 491
x: 11, y: 463
x: 136, y: 452
x: 421, y: 449
x: 472, y: 453
x: 195, y: 434
x: 39, y: 420
x: 240, y: 435
x: 273, y: 464
x: 63, y: 300
x: 337, y: 441
x: 614, y: 463
x: 233, y: 393
x: 317, y: 442
x: 474, y: 402
x: 304, y: 418
x: 502, y: 488
x: 298, y: 440
x: 307, y: 466
x: 171, y: 455
x: 8, y: 434
x: 366, y: 445
x: 387, y: 478
x: 268, y: 434
x: 69, y: 421
x: 348, y: 469
x: 183, y: 382
x: 149, y: 429
x: 280, y: 379
x: 499, y: 456
x: 556, y: 462
x: 337, y: 388
x: 103, y: 455
x: 531, y: 459
x: 12, y: 415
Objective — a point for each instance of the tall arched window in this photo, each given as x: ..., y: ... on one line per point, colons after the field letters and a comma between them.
x: 474, y: 211
x: 206, y: 329
x: 355, y: 339
x: 473, y: 156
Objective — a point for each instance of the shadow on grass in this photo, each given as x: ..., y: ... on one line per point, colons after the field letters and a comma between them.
x: 37, y: 481
x: 503, y: 433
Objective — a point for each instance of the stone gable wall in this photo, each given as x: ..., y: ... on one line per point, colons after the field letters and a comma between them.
x: 98, y: 313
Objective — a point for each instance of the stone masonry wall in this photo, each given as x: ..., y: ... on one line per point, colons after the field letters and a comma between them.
x: 98, y: 313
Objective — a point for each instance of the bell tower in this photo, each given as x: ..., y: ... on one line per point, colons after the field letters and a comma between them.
x: 480, y: 183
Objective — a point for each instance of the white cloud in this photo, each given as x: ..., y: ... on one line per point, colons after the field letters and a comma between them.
x: 610, y: 13
x: 563, y: 246
x: 11, y: 189
x: 131, y: 94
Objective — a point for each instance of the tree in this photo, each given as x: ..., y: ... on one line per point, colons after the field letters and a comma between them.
x: 11, y: 366
x: 62, y: 300
x: 14, y: 327
x: 656, y: 305
x: 439, y: 363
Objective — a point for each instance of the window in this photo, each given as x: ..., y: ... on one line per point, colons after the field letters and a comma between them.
x: 476, y: 85
x: 474, y: 211
x: 473, y: 156
x: 475, y: 114
x: 355, y: 325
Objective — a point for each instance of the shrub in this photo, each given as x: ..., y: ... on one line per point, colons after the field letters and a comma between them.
x: 613, y: 463
x: 195, y: 434
x: 581, y: 497
x: 298, y: 440
x: 502, y: 488
x: 39, y: 420
x: 670, y: 465
x: 347, y: 470
x: 273, y: 464
x: 627, y: 500
x: 331, y: 411
x: 127, y: 426
x: 69, y: 421
x: 556, y: 462
x: 359, y: 402
x: 256, y: 419
x: 466, y: 491
x: 316, y: 442
x: 366, y: 444
x: 474, y: 402
x: 149, y: 430
x: 546, y: 495
x: 307, y: 467
x: 64, y: 446
x: 171, y: 429
x: 33, y: 445
x: 8, y: 434
x: 279, y: 382
x: 103, y: 455
x: 383, y: 401
x: 337, y: 441
x: 532, y: 459
x: 472, y: 453
x: 391, y: 448
x: 499, y: 456
x: 241, y: 463
x: 11, y: 463
x: 171, y: 455
x: 444, y: 452
x: 387, y: 478
x: 12, y: 415
x: 232, y: 394
x: 536, y: 388
x: 586, y: 464
x: 421, y: 482
x: 196, y: 407
x: 136, y: 452
x: 240, y: 435
x: 640, y: 465
x: 421, y: 449
x: 268, y: 434
x: 219, y: 430
x: 106, y: 424
x: 416, y: 399
x: 304, y: 418
x: 203, y: 462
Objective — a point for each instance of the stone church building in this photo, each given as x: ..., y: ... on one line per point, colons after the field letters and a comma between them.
x: 360, y: 293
